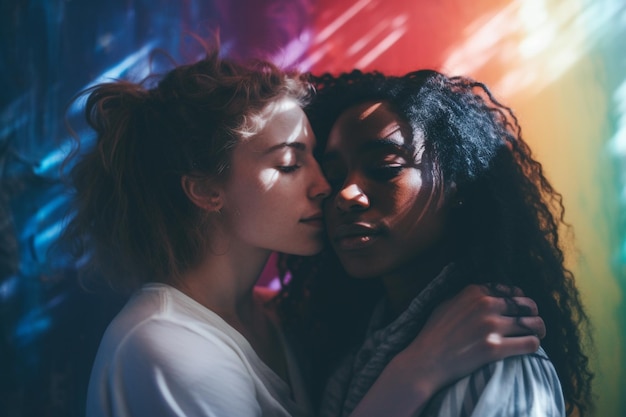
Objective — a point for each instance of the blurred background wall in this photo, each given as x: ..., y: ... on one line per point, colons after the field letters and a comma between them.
x: 560, y: 64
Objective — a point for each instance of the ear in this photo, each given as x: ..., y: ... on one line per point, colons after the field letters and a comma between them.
x: 203, y: 192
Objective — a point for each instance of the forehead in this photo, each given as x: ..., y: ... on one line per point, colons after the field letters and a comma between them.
x: 371, y: 120
x: 283, y: 121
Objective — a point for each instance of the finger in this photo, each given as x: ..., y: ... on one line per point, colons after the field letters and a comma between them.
x: 510, y: 346
x: 509, y: 290
x: 522, y: 326
x: 519, y: 306
x: 506, y: 306
x: 498, y: 289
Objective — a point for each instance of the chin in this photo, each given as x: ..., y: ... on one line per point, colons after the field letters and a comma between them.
x: 360, y: 270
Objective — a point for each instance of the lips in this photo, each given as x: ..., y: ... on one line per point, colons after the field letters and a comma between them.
x: 355, y: 236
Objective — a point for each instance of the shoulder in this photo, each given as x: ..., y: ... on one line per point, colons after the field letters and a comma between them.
x: 168, y: 341
x: 525, y: 385
x: 535, y: 369
x: 165, y: 370
x: 157, y: 330
x: 163, y: 358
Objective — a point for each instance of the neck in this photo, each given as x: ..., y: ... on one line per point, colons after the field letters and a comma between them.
x: 224, y: 282
x: 405, y: 283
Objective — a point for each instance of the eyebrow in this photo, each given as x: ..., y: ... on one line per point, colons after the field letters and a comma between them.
x: 386, y: 143
x: 373, y: 145
x: 295, y: 145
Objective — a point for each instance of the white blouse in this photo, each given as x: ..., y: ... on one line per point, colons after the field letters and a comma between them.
x: 166, y: 355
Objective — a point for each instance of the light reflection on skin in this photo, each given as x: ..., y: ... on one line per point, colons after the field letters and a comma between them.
x: 371, y: 109
x: 387, y: 206
x: 273, y: 194
x: 403, y: 133
x: 274, y: 113
x: 494, y: 339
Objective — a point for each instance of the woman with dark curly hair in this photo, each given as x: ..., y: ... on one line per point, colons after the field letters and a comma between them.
x: 433, y: 188
x: 192, y: 183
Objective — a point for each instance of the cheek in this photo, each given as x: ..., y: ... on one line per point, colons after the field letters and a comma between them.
x: 402, y: 198
x: 245, y: 204
x: 419, y: 218
x: 266, y: 179
x: 264, y: 208
x: 424, y: 226
x: 240, y: 198
x: 251, y: 184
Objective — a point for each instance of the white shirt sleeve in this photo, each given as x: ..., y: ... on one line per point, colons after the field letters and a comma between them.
x: 520, y: 386
x: 184, y: 374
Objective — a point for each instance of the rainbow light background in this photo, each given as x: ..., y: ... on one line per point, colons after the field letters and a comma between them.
x: 561, y: 65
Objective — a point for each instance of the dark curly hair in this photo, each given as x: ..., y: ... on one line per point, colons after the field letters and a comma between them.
x: 507, y: 230
x: 130, y: 213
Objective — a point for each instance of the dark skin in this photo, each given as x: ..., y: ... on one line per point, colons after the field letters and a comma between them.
x: 387, y: 215
x: 386, y: 218
x: 502, y: 215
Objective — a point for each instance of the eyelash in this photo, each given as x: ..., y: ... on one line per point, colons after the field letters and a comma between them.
x: 379, y: 173
x: 385, y: 172
x: 288, y: 169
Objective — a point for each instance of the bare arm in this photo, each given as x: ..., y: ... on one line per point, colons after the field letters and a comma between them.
x: 463, y: 334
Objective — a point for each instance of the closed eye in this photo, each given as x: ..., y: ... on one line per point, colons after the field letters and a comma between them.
x: 385, y: 172
x: 287, y: 169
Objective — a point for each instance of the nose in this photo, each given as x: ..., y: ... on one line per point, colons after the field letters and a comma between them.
x: 320, y: 188
x: 351, y: 198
